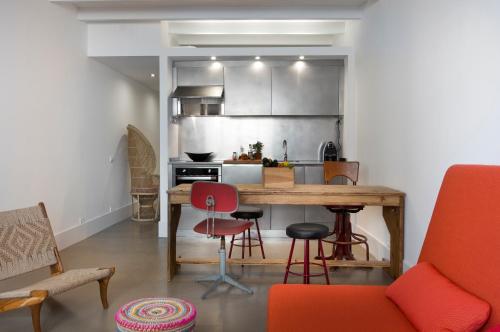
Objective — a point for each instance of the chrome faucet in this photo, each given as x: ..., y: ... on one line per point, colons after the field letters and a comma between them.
x: 285, y: 146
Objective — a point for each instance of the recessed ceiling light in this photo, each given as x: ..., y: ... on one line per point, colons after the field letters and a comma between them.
x: 257, y: 57
x: 301, y: 57
x: 213, y: 58
x: 153, y: 75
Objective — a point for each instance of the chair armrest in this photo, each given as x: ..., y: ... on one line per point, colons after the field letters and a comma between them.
x: 36, y: 297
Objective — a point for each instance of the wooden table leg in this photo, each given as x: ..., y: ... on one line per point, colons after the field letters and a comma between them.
x: 394, y: 218
x: 173, y: 223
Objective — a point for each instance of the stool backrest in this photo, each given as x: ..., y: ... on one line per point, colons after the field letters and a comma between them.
x: 224, y: 197
x: 346, y: 169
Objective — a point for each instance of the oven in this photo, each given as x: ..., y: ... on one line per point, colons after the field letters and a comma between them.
x: 192, y: 173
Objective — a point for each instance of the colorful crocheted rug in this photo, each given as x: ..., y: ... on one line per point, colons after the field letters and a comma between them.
x: 156, y: 315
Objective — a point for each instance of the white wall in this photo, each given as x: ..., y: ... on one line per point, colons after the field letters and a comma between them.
x: 62, y: 115
x: 428, y: 76
x: 111, y: 39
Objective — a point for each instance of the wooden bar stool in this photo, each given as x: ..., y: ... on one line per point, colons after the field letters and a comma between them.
x: 307, y: 232
x: 248, y: 213
x: 344, y: 236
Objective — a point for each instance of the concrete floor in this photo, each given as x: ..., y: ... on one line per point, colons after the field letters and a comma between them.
x: 140, y: 260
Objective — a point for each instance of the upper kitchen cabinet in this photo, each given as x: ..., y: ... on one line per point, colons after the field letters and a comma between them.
x: 305, y: 88
x: 247, y: 89
x: 199, y: 76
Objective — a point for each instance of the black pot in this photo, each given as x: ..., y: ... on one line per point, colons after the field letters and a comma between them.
x: 199, y: 157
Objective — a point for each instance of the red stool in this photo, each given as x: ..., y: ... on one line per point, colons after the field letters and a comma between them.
x: 307, y: 232
x: 248, y: 213
x: 215, y: 198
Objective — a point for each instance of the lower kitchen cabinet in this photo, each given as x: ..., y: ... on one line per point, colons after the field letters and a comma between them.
x: 317, y: 214
x: 284, y: 215
x: 234, y: 174
x: 190, y: 217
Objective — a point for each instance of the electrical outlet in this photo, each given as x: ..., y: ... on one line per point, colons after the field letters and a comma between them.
x: 81, y: 220
x: 110, y: 209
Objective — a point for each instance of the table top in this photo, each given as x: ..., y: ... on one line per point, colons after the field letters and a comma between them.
x: 304, y: 194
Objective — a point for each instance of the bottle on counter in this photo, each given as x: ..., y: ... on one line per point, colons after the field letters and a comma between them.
x: 235, y: 155
x: 250, y: 151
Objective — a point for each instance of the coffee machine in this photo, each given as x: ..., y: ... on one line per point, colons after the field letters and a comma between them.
x: 327, y: 152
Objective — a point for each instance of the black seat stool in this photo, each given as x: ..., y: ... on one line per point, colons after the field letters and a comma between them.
x: 307, y: 232
x: 248, y: 213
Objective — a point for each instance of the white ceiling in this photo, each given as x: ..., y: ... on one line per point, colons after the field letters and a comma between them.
x: 217, y: 3
x: 138, y: 68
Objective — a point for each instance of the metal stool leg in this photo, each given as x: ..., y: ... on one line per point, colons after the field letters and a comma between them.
x: 289, y: 261
x: 243, y: 247
x: 306, y: 261
x: 260, y: 239
x: 320, y: 246
x: 249, y: 243
x: 231, y: 248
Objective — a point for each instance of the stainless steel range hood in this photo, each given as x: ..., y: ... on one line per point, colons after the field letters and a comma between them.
x: 209, y: 91
x: 199, y: 100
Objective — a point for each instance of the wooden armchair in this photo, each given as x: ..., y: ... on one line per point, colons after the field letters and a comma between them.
x: 145, y: 184
x: 27, y: 244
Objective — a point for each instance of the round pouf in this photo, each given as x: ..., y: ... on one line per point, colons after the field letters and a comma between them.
x: 156, y: 315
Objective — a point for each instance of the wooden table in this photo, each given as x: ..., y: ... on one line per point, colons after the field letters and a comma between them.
x: 392, y: 202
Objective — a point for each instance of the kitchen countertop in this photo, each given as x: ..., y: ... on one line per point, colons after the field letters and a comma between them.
x: 220, y: 162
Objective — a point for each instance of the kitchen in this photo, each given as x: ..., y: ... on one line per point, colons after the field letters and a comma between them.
x: 293, y: 105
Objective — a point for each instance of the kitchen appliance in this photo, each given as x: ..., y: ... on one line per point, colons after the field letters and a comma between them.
x: 199, y: 100
x: 327, y: 151
x: 194, y: 172
x: 199, y: 157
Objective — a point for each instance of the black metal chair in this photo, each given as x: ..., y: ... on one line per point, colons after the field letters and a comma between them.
x: 248, y: 213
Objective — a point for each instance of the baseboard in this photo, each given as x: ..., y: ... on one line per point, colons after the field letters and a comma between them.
x: 378, y: 249
x: 92, y: 226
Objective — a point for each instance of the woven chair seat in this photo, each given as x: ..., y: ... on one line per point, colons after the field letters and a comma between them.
x: 61, y: 282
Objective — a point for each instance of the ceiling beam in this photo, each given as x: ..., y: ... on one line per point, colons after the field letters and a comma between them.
x: 142, y: 14
x: 263, y: 40
x: 256, y: 27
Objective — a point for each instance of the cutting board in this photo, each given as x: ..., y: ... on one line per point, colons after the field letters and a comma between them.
x: 243, y: 162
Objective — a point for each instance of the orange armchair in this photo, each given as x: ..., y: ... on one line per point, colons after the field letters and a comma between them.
x: 462, y: 242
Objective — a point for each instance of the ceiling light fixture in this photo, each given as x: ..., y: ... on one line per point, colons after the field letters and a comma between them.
x: 257, y: 57
x: 301, y: 57
x: 153, y: 75
x: 213, y: 58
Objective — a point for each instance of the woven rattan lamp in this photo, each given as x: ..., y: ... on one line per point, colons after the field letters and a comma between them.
x: 144, y: 184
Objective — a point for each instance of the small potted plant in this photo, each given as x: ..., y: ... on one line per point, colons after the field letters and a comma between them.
x: 277, y: 174
x: 257, y: 147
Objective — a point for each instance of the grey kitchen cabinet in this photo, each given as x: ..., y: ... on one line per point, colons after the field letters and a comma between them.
x: 284, y: 215
x: 305, y: 88
x: 247, y: 90
x: 190, y: 217
x: 317, y: 214
x: 234, y: 174
x: 197, y: 76
x: 240, y: 174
